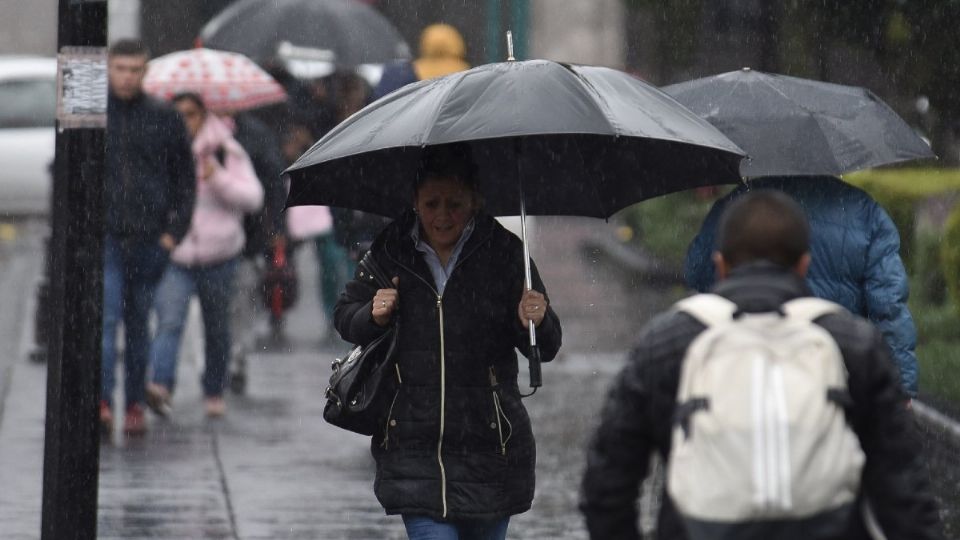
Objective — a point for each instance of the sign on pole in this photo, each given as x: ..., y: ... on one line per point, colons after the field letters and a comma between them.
x: 82, y: 87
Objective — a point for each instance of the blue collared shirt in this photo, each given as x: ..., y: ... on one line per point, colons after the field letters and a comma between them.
x: 440, y: 272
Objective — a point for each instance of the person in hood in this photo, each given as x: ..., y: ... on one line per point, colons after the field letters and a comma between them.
x: 856, y: 257
x: 149, y: 194
x: 442, y: 52
x: 455, y: 456
x: 205, y: 261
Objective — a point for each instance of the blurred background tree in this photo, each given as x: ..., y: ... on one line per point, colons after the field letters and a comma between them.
x: 908, y: 52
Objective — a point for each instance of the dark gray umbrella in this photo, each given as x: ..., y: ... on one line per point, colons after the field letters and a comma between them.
x: 798, y: 127
x: 578, y: 140
x: 547, y: 139
x: 309, y: 37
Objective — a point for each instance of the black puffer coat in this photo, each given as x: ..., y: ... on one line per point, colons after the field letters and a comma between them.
x: 457, y: 443
x: 150, y: 185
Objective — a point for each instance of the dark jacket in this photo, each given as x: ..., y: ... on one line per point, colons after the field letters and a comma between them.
x: 396, y: 75
x: 263, y: 147
x: 855, y: 249
x: 150, y: 185
x: 457, y: 443
x: 636, y: 419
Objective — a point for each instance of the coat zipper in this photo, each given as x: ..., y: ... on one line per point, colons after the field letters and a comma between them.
x: 443, y: 368
x: 443, y: 407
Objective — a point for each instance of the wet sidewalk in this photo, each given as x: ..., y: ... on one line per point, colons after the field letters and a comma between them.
x: 271, y: 468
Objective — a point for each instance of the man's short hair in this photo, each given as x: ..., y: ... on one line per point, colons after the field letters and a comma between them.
x: 128, y: 47
x: 763, y: 225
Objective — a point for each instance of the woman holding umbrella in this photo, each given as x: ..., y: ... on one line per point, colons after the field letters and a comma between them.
x: 456, y: 455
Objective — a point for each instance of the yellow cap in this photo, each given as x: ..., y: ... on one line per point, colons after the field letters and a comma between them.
x: 442, y: 51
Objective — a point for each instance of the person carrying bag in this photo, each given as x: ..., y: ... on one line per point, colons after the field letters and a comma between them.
x: 363, y: 384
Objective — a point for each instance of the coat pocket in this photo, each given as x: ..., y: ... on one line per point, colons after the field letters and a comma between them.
x: 503, y: 424
x: 390, y: 421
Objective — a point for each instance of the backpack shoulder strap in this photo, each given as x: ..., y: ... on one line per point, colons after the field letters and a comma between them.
x: 809, y: 308
x: 709, y: 309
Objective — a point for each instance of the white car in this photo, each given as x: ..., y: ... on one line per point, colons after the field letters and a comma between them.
x: 28, y: 104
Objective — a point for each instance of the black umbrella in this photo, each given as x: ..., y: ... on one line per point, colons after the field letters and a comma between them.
x: 309, y: 37
x: 547, y: 139
x: 799, y: 127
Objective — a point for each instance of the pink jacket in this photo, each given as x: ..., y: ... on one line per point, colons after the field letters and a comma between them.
x: 216, y: 228
x: 305, y: 222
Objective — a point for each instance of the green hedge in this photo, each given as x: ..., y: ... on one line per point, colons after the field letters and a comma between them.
x: 950, y: 255
x: 666, y: 225
x: 932, y: 258
x: 899, y: 191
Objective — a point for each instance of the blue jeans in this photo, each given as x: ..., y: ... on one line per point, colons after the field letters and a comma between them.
x: 213, y: 286
x: 424, y: 528
x: 131, y: 271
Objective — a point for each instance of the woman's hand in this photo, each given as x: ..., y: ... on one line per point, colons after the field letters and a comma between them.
x: 167, y: 242
x: 385, y: 302
x: 532, y: 307
x: 210, y: 167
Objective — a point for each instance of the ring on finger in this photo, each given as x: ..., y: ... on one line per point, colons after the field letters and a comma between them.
x: 383, y: 303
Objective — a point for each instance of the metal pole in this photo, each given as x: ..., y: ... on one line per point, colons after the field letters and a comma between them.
x: 72, y: 444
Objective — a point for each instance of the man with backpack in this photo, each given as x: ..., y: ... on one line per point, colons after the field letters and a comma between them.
x: 778, y: 415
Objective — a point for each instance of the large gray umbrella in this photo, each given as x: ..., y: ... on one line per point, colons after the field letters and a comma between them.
x: 547, y: 138
x: 563, y: 139
x: 798, y: 127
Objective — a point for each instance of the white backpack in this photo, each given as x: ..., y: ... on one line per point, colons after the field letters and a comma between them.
x: 760, y: 436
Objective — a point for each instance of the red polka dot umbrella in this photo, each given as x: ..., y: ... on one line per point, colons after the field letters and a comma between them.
x: 227, y: 81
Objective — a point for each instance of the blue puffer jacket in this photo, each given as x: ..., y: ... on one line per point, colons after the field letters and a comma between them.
x: 855, y: 249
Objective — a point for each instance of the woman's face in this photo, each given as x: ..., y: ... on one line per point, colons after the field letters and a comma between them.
x: 192, y: 115
x: 445, y: 206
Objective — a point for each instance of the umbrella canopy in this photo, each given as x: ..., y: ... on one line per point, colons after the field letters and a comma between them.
x: 799, y: 127
x: 227, y: 81
x: 573, y: 140
x: 311, y: 38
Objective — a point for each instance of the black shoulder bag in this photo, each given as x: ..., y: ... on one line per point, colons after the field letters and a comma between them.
x: 363, y: 384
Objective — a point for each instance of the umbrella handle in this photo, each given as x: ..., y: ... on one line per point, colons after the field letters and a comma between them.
x: 536, y: 379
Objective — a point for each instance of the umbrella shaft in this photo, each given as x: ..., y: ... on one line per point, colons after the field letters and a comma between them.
x: 528, y: 280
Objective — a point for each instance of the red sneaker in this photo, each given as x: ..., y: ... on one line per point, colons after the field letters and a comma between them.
x: 106, y: 419
x: 134, y: 422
